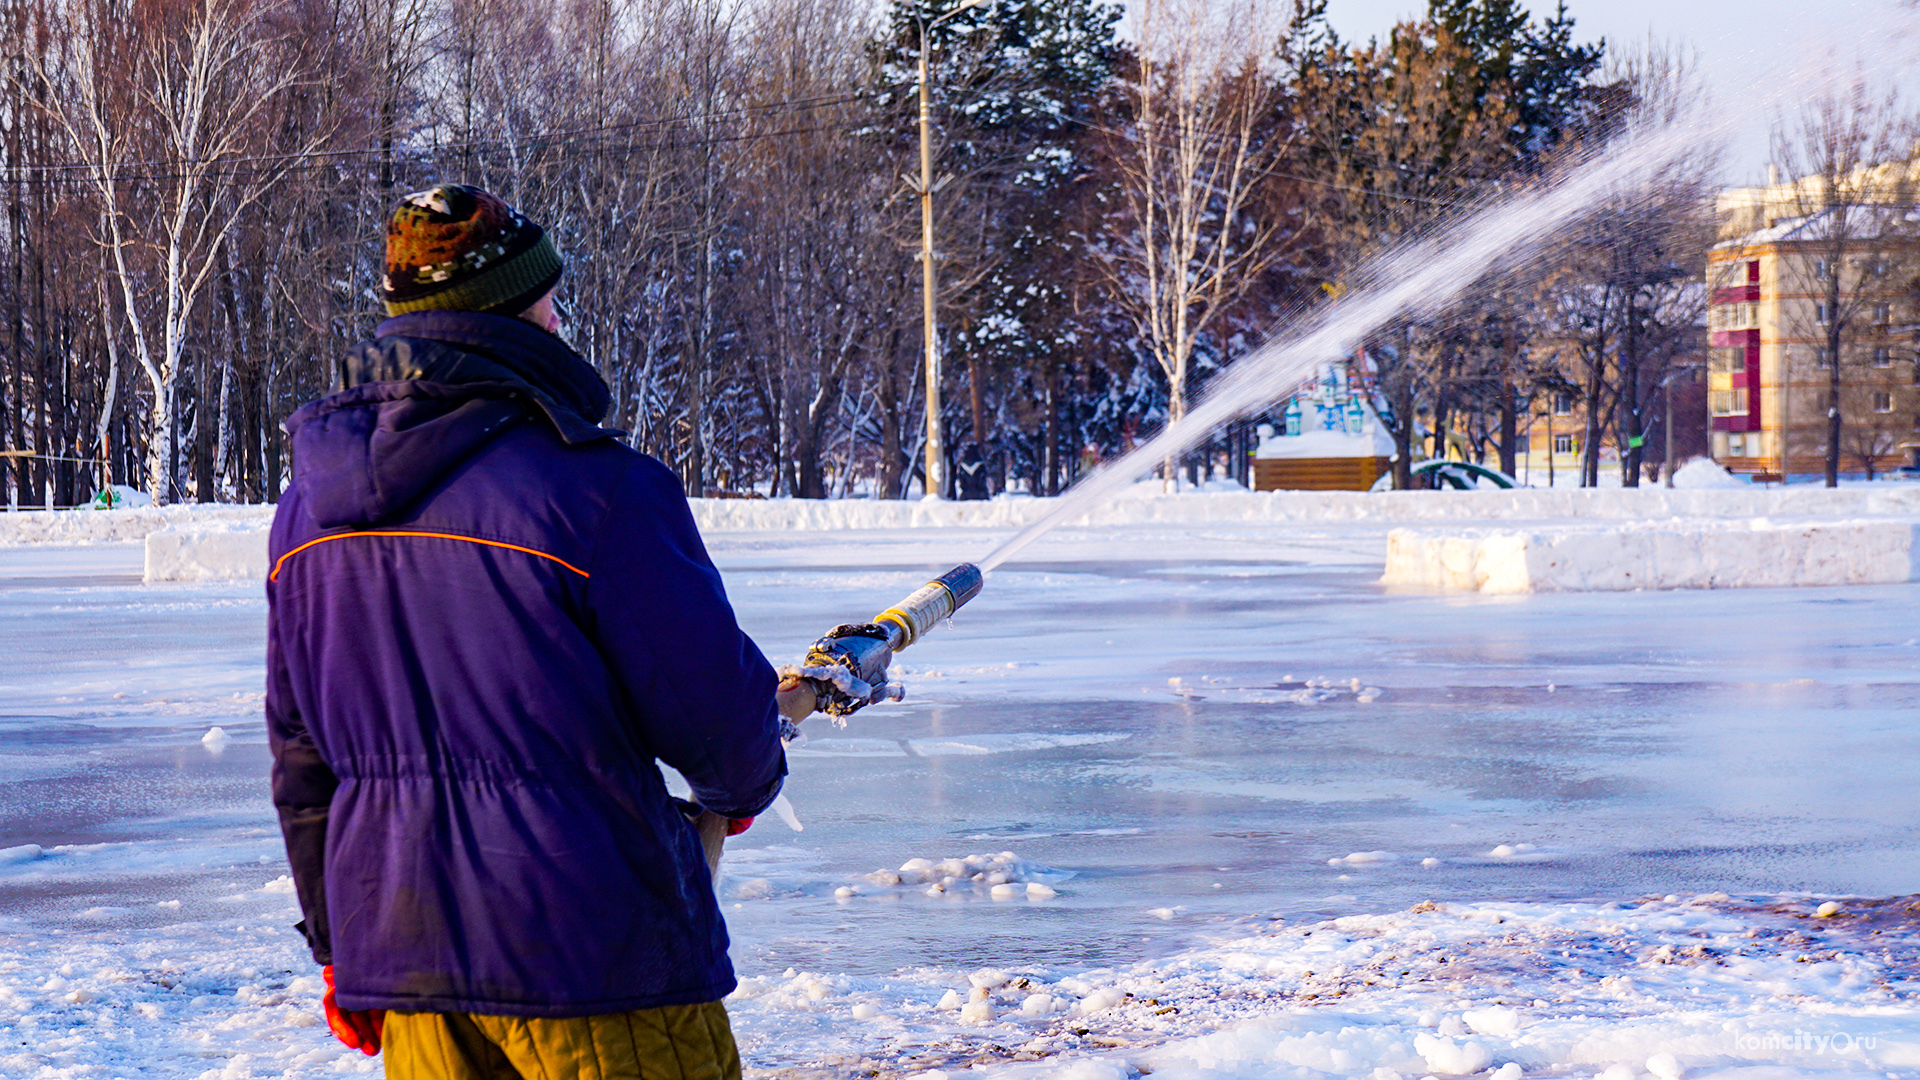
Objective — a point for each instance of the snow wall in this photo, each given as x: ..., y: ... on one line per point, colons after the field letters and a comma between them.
x: 1673, y: 554
x: 1554, y: 534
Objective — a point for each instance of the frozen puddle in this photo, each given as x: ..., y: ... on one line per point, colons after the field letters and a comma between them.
x: 1666, y: 987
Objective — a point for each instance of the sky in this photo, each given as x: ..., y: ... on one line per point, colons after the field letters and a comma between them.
x: 1745, y: 46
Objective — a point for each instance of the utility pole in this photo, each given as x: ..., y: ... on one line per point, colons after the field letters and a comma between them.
x: 929, y: 276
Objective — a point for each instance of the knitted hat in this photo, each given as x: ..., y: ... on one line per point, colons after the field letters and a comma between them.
x: 457, y: 248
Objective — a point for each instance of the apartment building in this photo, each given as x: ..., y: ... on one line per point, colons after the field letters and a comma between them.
x: 1785, y: 271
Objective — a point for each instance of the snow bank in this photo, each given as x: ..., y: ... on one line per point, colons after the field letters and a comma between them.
x: 200, y: 543
x: 1695, y: 987
x: 233, y: 550
x: 1143, y: 504
x: 1682, y: 554
x: 115, y: 526
x: 1142, y: 507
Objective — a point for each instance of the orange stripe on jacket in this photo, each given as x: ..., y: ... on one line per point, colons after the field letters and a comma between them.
x: 275, y: 576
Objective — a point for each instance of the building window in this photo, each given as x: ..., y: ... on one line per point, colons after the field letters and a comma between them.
x: 1822, y: 313
x: 1882, y: 401
x: 1822, y: 269
x: 1882, y: 356
x: 1727, y: 359
x: 1882, y: 314
x: 1732, y: 317
x: 1563, y: 444
x: 1728, y: 402
x: 1736, y: 445
x: 1562, y: 403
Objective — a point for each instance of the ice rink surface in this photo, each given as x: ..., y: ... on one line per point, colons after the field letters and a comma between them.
x: 1193, y: 759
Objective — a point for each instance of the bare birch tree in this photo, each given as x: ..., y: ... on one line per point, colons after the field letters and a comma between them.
x: 1205, y: 135
x: 176, y: 95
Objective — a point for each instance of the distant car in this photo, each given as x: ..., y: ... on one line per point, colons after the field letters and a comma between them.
x: 1455, y: 475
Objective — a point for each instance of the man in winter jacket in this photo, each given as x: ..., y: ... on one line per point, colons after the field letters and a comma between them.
x: 488, y: 621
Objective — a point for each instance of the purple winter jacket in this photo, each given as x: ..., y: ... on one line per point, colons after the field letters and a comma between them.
x: 487, y: 620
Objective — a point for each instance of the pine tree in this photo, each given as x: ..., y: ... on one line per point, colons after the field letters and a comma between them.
x: 1535, y: 64
x: 1016, y: 84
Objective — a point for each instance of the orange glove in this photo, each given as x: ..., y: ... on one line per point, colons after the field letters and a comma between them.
x: 736, y: 826
x: 360, y: 1029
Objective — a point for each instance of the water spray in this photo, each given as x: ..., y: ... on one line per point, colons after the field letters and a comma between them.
x: 1420, y: 276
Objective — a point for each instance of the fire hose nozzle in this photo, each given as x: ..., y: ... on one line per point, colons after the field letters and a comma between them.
x: 848, y: 667
x: 910, y: 619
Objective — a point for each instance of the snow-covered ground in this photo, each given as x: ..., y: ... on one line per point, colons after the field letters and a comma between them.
x: 1234, y: 809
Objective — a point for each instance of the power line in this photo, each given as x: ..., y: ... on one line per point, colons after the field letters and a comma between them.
x: 228, y: 166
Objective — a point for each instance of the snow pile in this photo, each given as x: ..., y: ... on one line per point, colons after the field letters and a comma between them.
x: 1005, y: 876
x: 116, y: 526
x: 1147, y: 504
x: 1675, y: 988
x: 1701, y: 474
x: 1653, y: 555
x: 202, y: 543
x: 173, y: 985
x: 216, y: 550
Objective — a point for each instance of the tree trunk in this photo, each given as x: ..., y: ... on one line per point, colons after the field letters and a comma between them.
x: 1403, y: 436
x: 1630, y: 398
x: 1509, y: 408
x: 1833, y: 374
x: 205, y: 429
x: 1051, y: 447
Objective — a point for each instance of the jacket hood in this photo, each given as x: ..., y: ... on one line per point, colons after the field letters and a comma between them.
x: 367, y: 452
x: 423, y: 397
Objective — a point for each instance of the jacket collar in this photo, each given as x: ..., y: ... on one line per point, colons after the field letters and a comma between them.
x: 461, y: 347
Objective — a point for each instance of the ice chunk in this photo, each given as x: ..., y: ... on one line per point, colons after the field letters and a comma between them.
x: 20, y: 853
x: 1362, y: 858
x: 1827, y: 910
x: 784, y: 809
x: 216, y: 739
x: 1492, y: 1021
x: 1003, y: 891
x: 1443, y: 1055
x: 949, y: 1001
x: 864, y: 1011
x: 1665, y: 1066
x: 978, y: 1012
x: 1510, y: 1071
x: 1037, y: 891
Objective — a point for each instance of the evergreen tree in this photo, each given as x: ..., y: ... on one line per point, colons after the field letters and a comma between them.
x: 1534, y: 64
x: 1016, y: 84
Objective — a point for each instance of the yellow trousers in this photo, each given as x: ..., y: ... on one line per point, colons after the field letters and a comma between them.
x: 676, y: 1042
